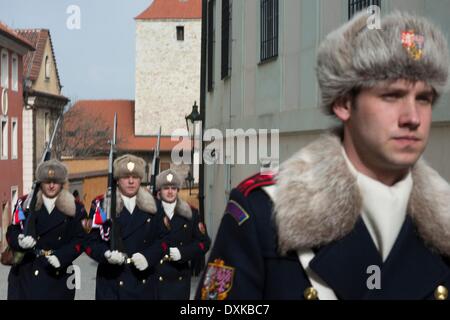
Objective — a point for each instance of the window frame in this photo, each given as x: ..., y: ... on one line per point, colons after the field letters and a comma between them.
x: 180, y: 33
x: 211, y: 36
x: 227, y: 24
x: 14, y: 138
x: 15, y: 72
x: 355, y: 6
x: 4, y: 152
x: 269, y: 30
x: 4, y: 68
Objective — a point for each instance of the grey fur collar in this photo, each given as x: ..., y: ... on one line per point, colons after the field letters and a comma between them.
x: 144, y: 201
x: 183, y: 209
x: 65, y: 202
x: 317, y: 200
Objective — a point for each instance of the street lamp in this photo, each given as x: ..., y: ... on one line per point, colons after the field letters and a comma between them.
x: 193, y: 121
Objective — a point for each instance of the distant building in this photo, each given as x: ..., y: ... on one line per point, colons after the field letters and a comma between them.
x: 13, y: 47
x: 44, y: 100
x: 168, y: 35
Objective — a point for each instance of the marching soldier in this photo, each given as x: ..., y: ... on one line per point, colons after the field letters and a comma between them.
x: 129, y: 274
x: 356, y: 214
x: 43, y: 271
x: 187, y: 239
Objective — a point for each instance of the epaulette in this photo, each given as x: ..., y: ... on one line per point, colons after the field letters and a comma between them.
x: 256, y: 181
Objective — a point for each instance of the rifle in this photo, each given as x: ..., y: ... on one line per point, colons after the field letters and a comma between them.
x: 30, y: 202
x: 155, y: 165
x: 115, y: 240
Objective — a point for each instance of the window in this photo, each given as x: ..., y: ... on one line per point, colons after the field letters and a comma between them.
x: 46, y: 127
x: 14, y: 139
x: 15, y: 73
x: 14, y: 198
x: 269, y: 29
x: 180, y: 33
x: 355, y: 6
x: 226, y: 38
x: 47, y: 68
x: 5, y: 69
x: 211, y: 43
x: 4, y: 139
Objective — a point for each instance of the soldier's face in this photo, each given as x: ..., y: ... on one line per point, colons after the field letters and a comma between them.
x: 387, y: 129
x: 129, y: 186
x: 169, y: 193
x: 50, y: 189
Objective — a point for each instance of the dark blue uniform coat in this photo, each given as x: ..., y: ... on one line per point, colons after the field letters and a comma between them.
x: 142, y: 232
x: 254, y: 256
x: 189, y: 235
x: 60, y: 231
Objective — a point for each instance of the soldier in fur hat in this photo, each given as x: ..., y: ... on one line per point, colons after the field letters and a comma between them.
x: 356, y: 214
x: 187, y: 239
x: 43, y: 272
x: 129, y: 274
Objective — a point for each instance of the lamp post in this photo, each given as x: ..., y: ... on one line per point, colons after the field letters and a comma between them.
x: 193, y: 122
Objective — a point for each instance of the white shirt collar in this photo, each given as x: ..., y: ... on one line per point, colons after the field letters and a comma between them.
x: 49, y: 203
x: 169, y: 208
x: 383, y: 207
x: 129, y: 203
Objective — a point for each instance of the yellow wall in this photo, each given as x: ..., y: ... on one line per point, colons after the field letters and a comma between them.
x: 86, y: 165
x: 93, y: 187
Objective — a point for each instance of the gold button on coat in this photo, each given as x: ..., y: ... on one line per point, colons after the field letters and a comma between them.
x: 180, y: 278
x: 36, y: 272
x: 441, y: 293
x: 121, y: 283
x: 161, y: 279
x: 185, y: 226
x: 144, y: 281
x: 59, y: 238
x: 310, y: 293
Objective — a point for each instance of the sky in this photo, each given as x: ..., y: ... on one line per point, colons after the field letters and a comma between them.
x: 93, y: 40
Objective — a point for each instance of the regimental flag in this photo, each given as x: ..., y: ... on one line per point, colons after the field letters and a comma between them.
x: 99, y: 215
x: 18, y: 215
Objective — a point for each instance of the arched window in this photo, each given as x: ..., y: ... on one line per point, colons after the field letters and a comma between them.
x: 4, y: 68
x: 47, y: 68
x: 15, y: 72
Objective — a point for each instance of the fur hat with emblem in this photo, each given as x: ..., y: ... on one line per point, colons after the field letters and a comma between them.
x: 129, y: 165
x: 355, y: 56
x: 51, y: 171
x: 168, y: 178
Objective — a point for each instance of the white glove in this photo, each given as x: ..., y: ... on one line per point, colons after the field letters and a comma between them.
x: 139, y: 261
x: 115, y: 257
x: 27, y: 242
x: 54, y: 261
x: 175, y: 254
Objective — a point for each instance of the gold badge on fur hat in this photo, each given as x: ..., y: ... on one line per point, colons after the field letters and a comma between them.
x: 51, y: 173
x: 170, y: 177
x: 413, y: 43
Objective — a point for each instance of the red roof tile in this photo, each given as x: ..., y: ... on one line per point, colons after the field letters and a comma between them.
x: 33, y: 60
x: 5, y: 30
x: 172, y: 9
x: 127, y: 141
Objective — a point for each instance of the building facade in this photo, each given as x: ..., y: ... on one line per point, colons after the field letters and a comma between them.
x: 168, y: 35
x: 44, y: 101
x: 12, y: 49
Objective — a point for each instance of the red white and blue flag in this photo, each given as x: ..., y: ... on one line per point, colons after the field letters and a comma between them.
x: 99, y: 215
x: 18, y: 215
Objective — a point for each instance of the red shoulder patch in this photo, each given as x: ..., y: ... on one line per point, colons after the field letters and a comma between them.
x: 256, y: 181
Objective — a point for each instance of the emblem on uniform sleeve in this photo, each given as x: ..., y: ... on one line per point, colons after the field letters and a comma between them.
x: 413, y: 43
x: 237, y: 212
x: 218, y: 281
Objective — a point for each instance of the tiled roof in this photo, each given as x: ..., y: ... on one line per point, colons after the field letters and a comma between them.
x: 172, y: 9
x: 10, y: 33
x: 127, y: 141
x: 33, y: 60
